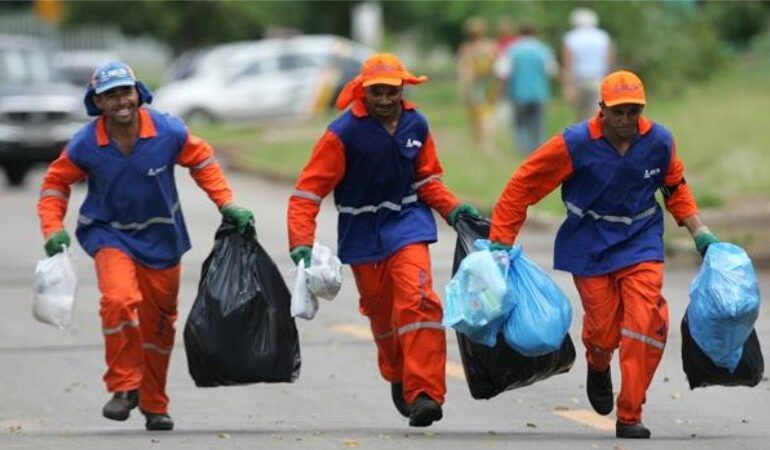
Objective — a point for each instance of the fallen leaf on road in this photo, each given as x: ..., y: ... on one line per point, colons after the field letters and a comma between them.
x: 223, y: 436
x: 531, y: 425
x: 352, y: 443
x: 561, y: 408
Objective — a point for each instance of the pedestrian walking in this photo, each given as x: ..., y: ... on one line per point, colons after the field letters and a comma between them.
x: 379, y: 158
x: 525, y: 70
x: 477, y: 84
x: 131, y: 223
x: 587, y: 57
x: 609, y: 169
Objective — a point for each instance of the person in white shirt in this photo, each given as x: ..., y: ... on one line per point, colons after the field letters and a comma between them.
x: 587, y: 57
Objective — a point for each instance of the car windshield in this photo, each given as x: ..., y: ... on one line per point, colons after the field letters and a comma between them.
x: 24, y: 66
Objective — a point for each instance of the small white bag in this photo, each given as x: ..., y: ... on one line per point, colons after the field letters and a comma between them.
x: 303, y: 302
x: 55, y: 287
x: 324, y: 276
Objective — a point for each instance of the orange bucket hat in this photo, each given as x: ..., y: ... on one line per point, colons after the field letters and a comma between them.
x: 622, y: 87
x: 380, y: 68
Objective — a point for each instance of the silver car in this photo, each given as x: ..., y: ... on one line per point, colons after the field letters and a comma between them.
x: 39, y: 111
x: 293, y: 78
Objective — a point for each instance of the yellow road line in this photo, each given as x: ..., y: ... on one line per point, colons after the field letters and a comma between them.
x: 453, y: 369
x: 357, y: 331
x: 588, y: 418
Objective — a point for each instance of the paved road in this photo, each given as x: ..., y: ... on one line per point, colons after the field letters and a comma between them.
x: 51, y: 392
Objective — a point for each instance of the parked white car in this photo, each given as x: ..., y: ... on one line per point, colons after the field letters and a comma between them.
x: 259, y: 80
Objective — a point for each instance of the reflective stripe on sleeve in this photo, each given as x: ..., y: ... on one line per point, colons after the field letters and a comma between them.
x: 374, y: 208
x: 420, y: 325
x: 53, y: 193
x: 308, y: 195
x: 640, y: 337
x: 425, y: 181
x: 207, y: 162
x: 628, y: 220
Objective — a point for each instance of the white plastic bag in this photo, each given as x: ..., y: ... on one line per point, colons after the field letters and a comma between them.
x: 324, y: 276
x: 55, y: 285
x: 303, y: 302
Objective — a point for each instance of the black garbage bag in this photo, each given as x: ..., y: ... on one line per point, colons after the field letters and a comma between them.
x: 702, y: 372
x: 492, y: 370
x: 239, y: 329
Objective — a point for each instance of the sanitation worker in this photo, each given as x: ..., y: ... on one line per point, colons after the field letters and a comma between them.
x: 131, y: 223
x: 380, y: 160
x: 609, y: 168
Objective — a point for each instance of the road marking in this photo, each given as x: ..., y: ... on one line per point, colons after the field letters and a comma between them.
x: 588, y: 418
x: 453, y: 369
x: 357, y: 331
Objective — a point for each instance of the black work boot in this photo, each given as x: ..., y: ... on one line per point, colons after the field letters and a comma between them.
x: 424, y: 412
x: 631, y: 430
x: 120, y: 405
x: 599, y: 390
x: 158, y: 421
x: 397, y: 393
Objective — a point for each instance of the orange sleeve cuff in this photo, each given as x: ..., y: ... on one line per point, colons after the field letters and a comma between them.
x: 318, y: 178
x: 55, y: 192
x: 427, y: 177
x: 681, y: 204
x: 198, y: 156
x: 539, y: 174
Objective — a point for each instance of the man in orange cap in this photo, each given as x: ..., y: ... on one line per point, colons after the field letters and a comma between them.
x: 380, y: 159
x: 609, y: 168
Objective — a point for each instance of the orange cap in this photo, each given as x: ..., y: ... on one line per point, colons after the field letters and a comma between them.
x: 380, y: 68
x: 622, y: 87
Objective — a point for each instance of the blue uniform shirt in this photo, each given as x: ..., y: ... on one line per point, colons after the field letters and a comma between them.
x: 132, y: 202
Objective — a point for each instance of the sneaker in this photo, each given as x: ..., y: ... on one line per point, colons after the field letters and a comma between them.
x: 424, y: 412
x: 158, y: 422
x: 631, y: 430
x: 599, y: 390
x: 120, y: 405
x: 397, y: 393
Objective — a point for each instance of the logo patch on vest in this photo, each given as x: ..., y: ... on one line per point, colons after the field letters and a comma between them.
x: 152, y: 172
x: 413, y: 143
x: 651, y: 172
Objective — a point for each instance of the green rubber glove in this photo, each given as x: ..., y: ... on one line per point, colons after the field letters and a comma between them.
x: 703, y: 240
x: 241, y: 216
x: 462, y: 208
x: 55, y: 241
x: 301, y: 253
x: 498, y: 246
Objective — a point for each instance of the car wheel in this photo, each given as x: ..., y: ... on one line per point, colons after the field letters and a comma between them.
x: 15, y: 173
x: 199, y: 115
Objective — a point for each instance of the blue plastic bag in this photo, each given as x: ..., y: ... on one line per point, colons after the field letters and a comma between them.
x: 475, y: 297
x: 724, y: 304
x: 541, y: 314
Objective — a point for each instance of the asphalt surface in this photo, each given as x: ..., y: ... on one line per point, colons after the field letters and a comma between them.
x: 51, y: 391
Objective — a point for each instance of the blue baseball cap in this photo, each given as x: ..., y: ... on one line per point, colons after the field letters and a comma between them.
x: 109, y: 76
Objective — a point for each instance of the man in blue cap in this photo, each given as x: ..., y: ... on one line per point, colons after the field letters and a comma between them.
x: 131, y: 223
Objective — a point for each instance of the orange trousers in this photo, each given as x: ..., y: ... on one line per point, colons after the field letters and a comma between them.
x: 138, y: 311
x: 626, y: 309
x: 405, y: 316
